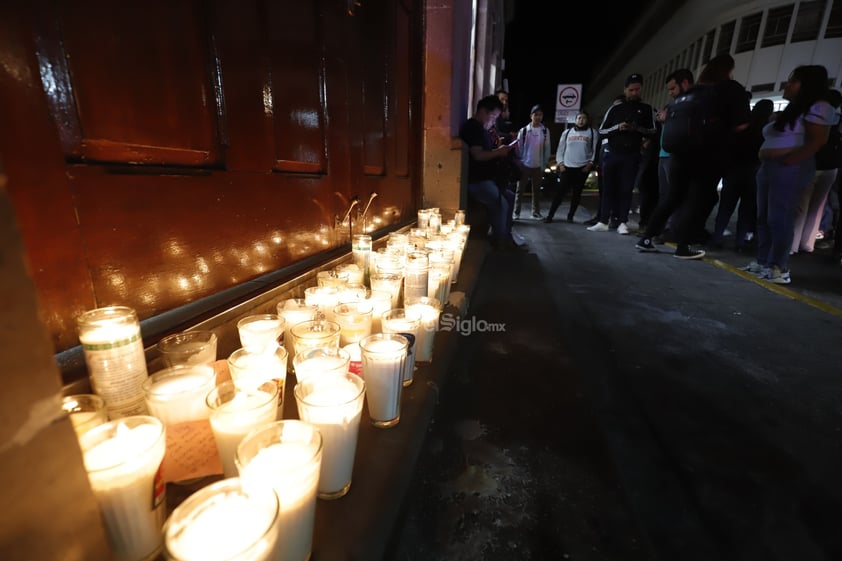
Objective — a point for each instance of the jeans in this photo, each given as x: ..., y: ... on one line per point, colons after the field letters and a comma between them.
x: 810, y: 208
x: 779, y: 188
x: 499, y: 204
x: 533, y: 175
x: 738, y: 185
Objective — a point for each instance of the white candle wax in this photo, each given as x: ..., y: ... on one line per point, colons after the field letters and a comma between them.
x: 289, y: 468
x: 321, y: 365
x: 325, y: 297
x: 383, y: 361
x: 177, y: 394
x: 232, y: 420
x: 380, y: 302
x: 117, y: 366
x: 124, y: 473
x: 311, y: 335
x: 294, y: 311
x: 258, y: 335
x: 427, y: 330
x: 354, y: 322
x: 331, y: 405
x: 221, y: 522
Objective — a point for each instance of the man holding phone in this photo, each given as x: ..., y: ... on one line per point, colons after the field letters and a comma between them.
x: 482, y: 169
x: 625, y: 126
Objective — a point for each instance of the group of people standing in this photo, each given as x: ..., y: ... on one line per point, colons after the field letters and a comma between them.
x: 771, y: 164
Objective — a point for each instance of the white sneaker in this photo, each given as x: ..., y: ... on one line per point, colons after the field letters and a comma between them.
x: 598, y: 227
x: 754, y: 268
x: 777, y: 276
x: 622, y: 229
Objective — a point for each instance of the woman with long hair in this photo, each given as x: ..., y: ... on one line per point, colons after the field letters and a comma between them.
x: 787, y: 167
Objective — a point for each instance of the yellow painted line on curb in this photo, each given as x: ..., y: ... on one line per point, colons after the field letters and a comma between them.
x: 778, y: 289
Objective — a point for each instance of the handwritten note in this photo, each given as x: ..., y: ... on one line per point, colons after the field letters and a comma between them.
x: 191, y: 452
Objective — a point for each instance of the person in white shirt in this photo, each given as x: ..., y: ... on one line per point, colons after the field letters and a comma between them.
x: 533, y: 145
x: 575, y: 159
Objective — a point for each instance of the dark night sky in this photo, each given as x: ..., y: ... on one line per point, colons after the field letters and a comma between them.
x: 550, y: 42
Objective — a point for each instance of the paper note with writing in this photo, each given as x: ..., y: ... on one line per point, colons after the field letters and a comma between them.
x: 191, y: 451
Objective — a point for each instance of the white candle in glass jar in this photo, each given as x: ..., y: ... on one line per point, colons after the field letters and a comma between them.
x: 383, y: 358
x: 123, y: 461
x: 354, y: 319
x: 321, y: 361
x: 294, y: 311
x: 115, y: 358
x: 324, y: 297
x: 381, y: 301
x: 260, y: 331
x: 234, y: 412
x: 405, y: 323
x: 177, y: 394
x: 223, y: 521
x: 333, y: 404
x: 428, y: 309
x: 286, y: 456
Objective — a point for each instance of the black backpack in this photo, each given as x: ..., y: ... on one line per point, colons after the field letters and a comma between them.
x: 829, y: 156
x: 692, y: 122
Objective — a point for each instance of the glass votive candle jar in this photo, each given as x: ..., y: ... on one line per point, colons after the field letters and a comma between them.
x: 321, y: 361
x: 236, y: 411
x: 424, y: 218
x: 188, y: 347
x: 459, y: 217
x: 387, y: 282
x: 383, y: 358
x: 361, y: 245
x: 380, y: 302
x: 123, y: 462
x: 355, y: 274
x: 177, y: 394
x: 223, y: 521
x: 286, y: 456
x: 416, y: 274
x: 406, y: 323
x: 434, y: 224
x: 316, y: 333
x: 438, y: 280
x: 325, y: 297
x: 387, y: 260
x: 85, y: 411
x: 331, y: 278
x: 352, y: 293
x: 294, y: 311
x: 115, y: 358
x: 354, y: 319
x: 429, y: 310
x: 252, y: 370
x: 333, y: 404
x: 259, y: 332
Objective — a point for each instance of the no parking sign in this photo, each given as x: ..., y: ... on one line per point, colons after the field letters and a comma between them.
x: 568, y: 102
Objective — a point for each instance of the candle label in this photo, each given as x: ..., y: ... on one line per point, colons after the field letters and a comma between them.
x: 159, y: 488
x: 111, y: 344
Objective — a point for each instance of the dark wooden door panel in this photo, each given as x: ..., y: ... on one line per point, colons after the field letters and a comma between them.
x: 163, y: 241
x: 142, y: 86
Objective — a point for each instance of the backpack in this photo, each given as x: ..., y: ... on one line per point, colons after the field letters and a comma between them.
x: 830, y: 155
x: 692, y: 122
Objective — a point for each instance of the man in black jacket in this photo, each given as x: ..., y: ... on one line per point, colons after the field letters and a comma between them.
x: 625, y: 126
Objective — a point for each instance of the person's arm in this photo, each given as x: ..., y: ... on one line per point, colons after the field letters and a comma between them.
x: 594, y: 151
x: 562, y: 148
x: 547, y: 148
x: 608, y: 125
x: 480, y: 154
x: 815, y: 136
x: 647, y: 127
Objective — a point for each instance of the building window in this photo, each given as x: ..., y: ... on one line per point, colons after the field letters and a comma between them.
x: 726, y: 35
x: 808, y: 21
x: 834, y: 22
x: 769, y: 87
x: 777, y: 26
x: 749, y: 29
x: 691, y: 55
x: 708, y: 46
